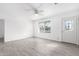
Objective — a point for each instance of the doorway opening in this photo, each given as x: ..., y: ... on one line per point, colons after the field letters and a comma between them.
x: 1, y: 31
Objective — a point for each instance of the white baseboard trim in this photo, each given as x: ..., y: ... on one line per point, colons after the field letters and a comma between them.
x: 17, y: 39
x: 57, y: 41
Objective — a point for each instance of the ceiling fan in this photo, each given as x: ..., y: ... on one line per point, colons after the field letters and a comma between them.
x: 35, y: 9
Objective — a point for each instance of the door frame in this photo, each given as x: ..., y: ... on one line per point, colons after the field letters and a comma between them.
x: 62, y: 23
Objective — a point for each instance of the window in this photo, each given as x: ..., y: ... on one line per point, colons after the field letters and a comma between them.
x: 45, y: 27
x: 68, y: 25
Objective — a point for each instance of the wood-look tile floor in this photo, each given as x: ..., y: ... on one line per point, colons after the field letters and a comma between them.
x: 38, y: 47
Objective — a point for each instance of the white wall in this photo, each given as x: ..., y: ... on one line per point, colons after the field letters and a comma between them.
x: 17, y: 23
x: 55, y: 29
x: 56, y: 25
x: 78, y: 30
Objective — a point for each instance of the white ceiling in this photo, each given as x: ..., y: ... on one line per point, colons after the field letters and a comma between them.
x: 24, y: 9
x: 52, y: 9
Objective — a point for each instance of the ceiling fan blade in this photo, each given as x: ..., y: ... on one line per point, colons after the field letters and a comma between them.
x: 28, y: 9
x: 41, y: 11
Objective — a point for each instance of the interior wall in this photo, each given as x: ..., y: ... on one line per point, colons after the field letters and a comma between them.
x: 17, y: 23
x: 55, y: 29
x: 78, y: 30
x: 56, y: 25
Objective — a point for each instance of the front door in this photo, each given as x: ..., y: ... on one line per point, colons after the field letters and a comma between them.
x: 69, y: 29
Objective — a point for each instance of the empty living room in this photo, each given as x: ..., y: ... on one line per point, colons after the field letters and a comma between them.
x: 39, y: 29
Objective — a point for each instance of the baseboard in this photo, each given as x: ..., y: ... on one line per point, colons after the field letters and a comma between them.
x: 58, y: 41
x: 48, y: 39
x: 17, y: 39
